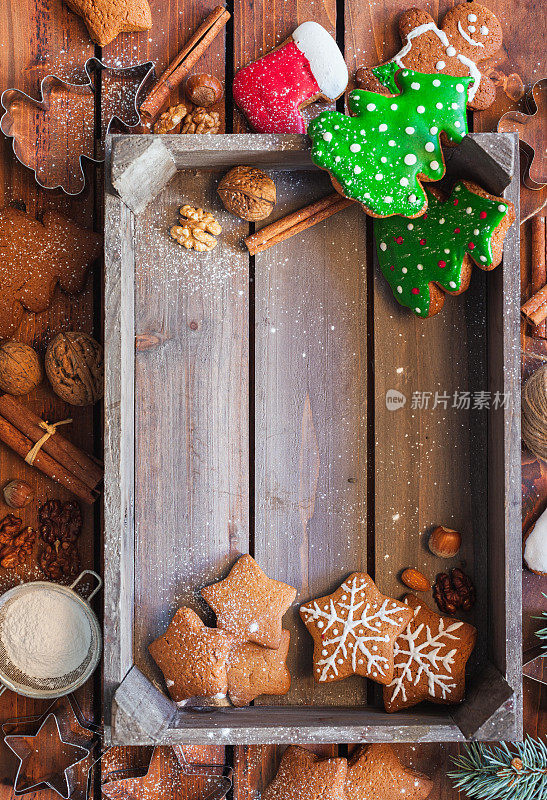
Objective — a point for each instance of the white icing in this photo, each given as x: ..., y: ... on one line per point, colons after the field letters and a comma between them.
x: 410, y: 159
x: 419, y: 31
x: 440, y: 65
x: 451, y: 51
x: 484, y: 30
x: 474, y: 72
x: 353, y: 622
x: 535, y: 549
x: 326, y: 61
x: 471, y: 28
x: 425, y: 659
x: 467, y: 37
x: 471, y: 17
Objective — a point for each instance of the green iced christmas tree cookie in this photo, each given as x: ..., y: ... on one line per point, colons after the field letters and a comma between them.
x: 378, y: 156
x: 421, y: 257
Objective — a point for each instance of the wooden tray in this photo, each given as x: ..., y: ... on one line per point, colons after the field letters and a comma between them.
x: 246, y: 412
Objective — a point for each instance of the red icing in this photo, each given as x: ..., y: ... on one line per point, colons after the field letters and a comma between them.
x: 271, y: 90
x: 415, y: 291
x: 456, y: 230
x: 392, y: 267
x: 398, y: 239
x: 422, y: 241
x: 442, y: 264
x: 482, y: 215
x: 471, y: 246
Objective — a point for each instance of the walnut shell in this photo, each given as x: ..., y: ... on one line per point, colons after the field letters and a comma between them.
x: 20, y: 368
x: 74, y: 366
x: 248, y: 193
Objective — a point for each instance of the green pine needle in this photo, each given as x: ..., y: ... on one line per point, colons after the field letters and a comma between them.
x: 542, y: 633
x: 508, y: 771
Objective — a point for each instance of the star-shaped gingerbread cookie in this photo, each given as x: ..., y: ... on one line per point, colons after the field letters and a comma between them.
x: 354, y: 631
x: 105, y: 19
x: 255, y: 670
x: 375, y: 773
x: 429, y: 659
x: 192, y: 657
x: 305, y: 776
x: 469, y: 34
x: 249, y: 605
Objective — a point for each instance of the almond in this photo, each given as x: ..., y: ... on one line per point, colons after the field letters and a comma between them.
x: 415, y: 580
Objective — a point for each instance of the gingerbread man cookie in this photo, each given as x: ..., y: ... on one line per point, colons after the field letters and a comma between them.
x: 272, y: 91
x: 249, y: 605
x: 434, y: 254
x: 430, y: 658
x: 354, y: 630
x: 380, y: 156
x: 470, y: 34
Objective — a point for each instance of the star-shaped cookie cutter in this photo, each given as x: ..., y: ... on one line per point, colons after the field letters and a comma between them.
x: 52, y: 135
x: 69, y: 717
x: 532, y: 130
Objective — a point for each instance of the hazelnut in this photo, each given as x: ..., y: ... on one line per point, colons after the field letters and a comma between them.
x: 445, y: 542
x: 18, y: 493
x: 415, y: 580
x: 248, y: 193
x: 203, y: 90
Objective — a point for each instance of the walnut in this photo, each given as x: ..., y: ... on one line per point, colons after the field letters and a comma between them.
x: 197, y: 229
x: 454, y: 592
x: 58, y: 562
x: 17, y: 543
x: 60, y: 527
x: 203, y: 90
x: 169, y: 120
x: 20, y: 368
x: 248, y: 193
x: 74, y: 366
x: 201, y: 120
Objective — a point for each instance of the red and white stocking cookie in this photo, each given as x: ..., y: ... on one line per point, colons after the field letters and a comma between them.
x: 272, y: 91
x: 469, y: 34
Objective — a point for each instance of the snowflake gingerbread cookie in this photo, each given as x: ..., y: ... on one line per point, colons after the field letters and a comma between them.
x: 354, y: 630
x: 380, y: 156
x: 429, y: 659
x: 469, y: 34
x: 272, y: 91
x: 434, y: 254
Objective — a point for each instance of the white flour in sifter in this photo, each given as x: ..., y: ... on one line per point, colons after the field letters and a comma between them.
x: 45, y: 634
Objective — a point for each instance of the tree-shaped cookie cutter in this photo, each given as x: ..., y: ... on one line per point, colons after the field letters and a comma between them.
x: 532, y: 130
x: 54, y: 134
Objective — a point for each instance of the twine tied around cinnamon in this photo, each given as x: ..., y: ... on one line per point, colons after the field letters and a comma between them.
x: 534, y: 413
x: 49, y: 429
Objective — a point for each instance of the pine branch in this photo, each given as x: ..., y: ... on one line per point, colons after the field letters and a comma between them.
x: 542, y: 632
x: 508, y: 771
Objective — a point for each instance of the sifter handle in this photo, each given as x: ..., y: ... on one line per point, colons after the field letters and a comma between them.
x: 79, y: 578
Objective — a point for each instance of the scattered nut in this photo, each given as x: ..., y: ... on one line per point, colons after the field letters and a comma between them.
x: 197, y: 229
x: 415, y: 580
x: 17, y: 543
x: 20, y: 368
x: 454, y: 592
x: 74, y: 366
x: 201, y: 120
x: 60, y: 527
x: 203, y: 90
x: 248, y: 193
x: 169, y: 120
x: 445, y: 542
x: 18, y: 493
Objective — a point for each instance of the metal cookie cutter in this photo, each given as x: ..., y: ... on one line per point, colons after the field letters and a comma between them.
x: 52, y: 135
x: 532, y: 131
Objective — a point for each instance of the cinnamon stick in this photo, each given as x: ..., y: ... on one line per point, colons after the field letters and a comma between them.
x: 182, y: 64
x: 21, y: 445
x: 296, y: 222
x: 534, y: 310
x: 539, y: 271
x: 84, y: 467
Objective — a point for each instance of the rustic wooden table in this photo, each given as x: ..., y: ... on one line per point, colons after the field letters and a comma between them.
x: 38, y: 37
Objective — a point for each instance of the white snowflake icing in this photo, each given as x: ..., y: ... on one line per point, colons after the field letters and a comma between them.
x: 353, y: 634
x: 426, y: 658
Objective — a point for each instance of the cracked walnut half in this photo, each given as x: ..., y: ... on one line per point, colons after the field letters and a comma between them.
x: 197, y: 229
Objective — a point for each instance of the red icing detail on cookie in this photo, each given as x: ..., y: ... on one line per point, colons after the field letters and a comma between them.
x: 482, y: 215
x: 456, y: 230
x: 271, y: 90
x: 442, y: 264
x: 471, y: 246
x: 456, y: 202
x: 398, y: 239
x: 392, y: 267
x: 415, y: 291
x: 422, y: 241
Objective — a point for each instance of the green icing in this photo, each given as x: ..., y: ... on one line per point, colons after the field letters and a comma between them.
x: 377, y: 154
x: 386, y: 75
x: 431, y: 248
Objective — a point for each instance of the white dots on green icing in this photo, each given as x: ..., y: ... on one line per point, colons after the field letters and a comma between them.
x: 412, y: 198
x: 404, y: 270
x: 453, y: 106
x: 392, y: 143
x: 355, y: 147
x: 400, y: 289
x: 434, y: 130
x: 383, y: 246
x: 394, y: 106
x: 476, y: 231
x: 409, y: 129
x: 434, y: 165
x: 357, y: 169
x: 468, y: 210
x: 404, y: 181
x: 460, y: 87
x: 436, y: 83
x: 457, y: 124
x: 501, y: 207
x: 442, y: 221
x: 383, y: 160
x: 410, y: 226
x: 378, y: 176
x: 415, y: 85
x: 430, y: 147
x: 410, y: 159
x: 371, y: 107
x: 452, y: 284
x: 421, y: 109
x: 327, y: 136
x: 438, y: 105
x: 382, y: 127
x: 388, y: 199
x: 420, y: 267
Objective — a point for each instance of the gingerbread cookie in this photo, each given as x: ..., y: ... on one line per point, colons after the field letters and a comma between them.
x: 255, y: 670
x: 272, y: 91
x: 302, y: 775
x: 105, y: 19
x: 34, y: 257
x: 430, y: 658
x: 375, y: 773
x: 434, y: 254
x: 354, y: 630
x: 249, y: 605
x: 192, y: 657
x: 380, y: 156
x: 470, y: 34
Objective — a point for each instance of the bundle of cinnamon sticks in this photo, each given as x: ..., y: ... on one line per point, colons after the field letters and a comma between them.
x: 534, y: 310
x: 21, y: 429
